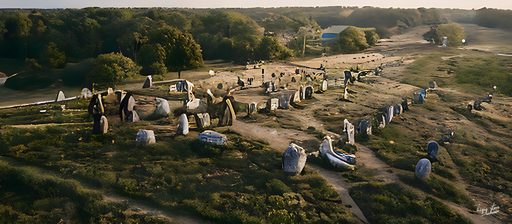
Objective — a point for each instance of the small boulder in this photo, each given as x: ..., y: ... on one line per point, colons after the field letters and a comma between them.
x: 145, y: 137
x: 423, y: 169
x: 162, y: 107
x: 432, y: 149
x: 213, y: 137
x: 86, y: 93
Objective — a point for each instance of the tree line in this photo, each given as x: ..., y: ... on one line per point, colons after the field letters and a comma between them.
x: 159, y: 40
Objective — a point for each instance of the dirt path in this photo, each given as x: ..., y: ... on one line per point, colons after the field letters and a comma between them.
x: 366, y: 158
x: 279, y: 141
x: 341, y: 186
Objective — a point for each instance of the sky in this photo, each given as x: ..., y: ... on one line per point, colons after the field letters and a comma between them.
x: 462, y: 4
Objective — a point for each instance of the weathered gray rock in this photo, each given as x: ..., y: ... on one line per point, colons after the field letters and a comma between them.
x: 145, y: 137
x: 423, y: 168
x: 86, y: 93
x: 213, y: 137
x: 294, y: 159
x: 162, y: 107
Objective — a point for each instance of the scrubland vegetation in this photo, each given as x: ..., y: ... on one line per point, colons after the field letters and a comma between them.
x: 242, y: 182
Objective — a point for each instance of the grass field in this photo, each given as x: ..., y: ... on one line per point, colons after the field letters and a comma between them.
x: 242, y: 182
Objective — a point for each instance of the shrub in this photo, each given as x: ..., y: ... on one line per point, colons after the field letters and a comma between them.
x: 110, y: 69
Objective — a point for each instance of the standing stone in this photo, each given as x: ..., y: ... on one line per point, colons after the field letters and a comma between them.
x: 405, y: 106
x: 390, y: 114
x: 309, y: 92
x: 365, y: 128
x: 432, y: 84
x: 229, y: 114
x: 295, y: 97
x: 302, y: 92
x: 133, y: 116
x: 273, y: 104
x: 95, y: 105
x: 294, y: 159
x: 432, y: 149
x: 86, y: 93
x: 120, y: 95
x: 110, y: 91
x: 96, y: 128
x: 251, y: 108
x: 396, y: 109
x: 126, y: 106
x: 103, y: 125
x: 202, y: 120
x: 347, y: 77
x: 423, y: 168
x: 183, y: 125
x: 382, y: 121
x: 148, y: 83
x: 145, y: 137
x: 350, y: 130
x: 60, y: 97
x: 284, y: 101
x: 162, y: 107
x: 324, y: 85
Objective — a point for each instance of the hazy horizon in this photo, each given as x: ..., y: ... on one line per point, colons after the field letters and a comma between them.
x: 48, y: 4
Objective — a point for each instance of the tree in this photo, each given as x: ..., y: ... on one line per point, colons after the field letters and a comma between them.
x: 181, y: 51
x: 454, y: 32
x: 270, y: 48
x: 350, y: 40
x: 110, y: 69
x: 371, y: 36
x: 151, y: 58
x: 52, y: 57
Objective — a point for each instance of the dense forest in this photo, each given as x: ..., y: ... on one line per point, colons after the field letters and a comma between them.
x: 159, y: 40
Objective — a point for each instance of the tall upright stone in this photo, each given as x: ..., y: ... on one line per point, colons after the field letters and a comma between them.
x: 294, y: 159
x: 60, y: 96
